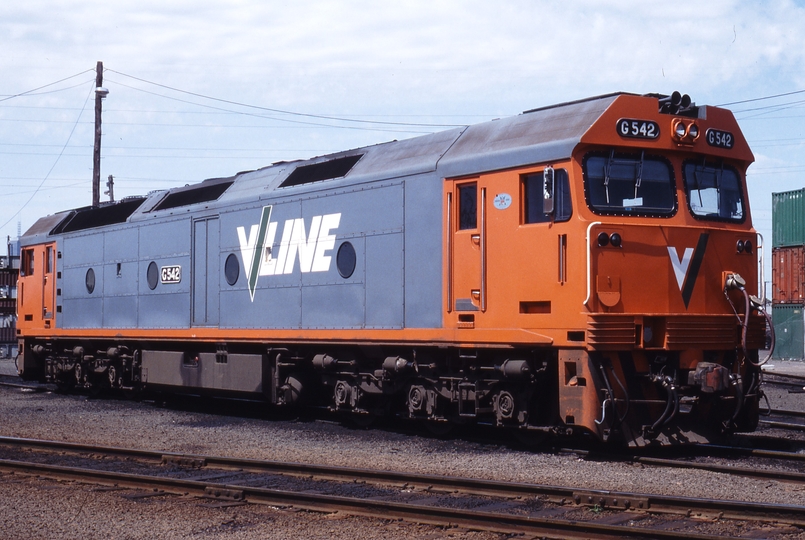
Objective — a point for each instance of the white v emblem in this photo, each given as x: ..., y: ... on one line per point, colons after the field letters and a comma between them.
x: 680, y: 265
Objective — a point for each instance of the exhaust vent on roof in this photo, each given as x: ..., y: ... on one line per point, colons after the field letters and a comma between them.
x: 92, y: 217
x: 326, y: 170
x: 195, y: 194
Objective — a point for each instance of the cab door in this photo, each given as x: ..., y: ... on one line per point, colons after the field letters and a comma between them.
x: 466, y: 247
x: 37, y: 287
x: 48, y: 283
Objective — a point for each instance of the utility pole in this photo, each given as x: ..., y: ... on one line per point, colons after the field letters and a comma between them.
x: 100, y: 93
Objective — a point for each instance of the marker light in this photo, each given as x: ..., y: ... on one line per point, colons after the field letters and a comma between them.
x: 615, y: 239
x: 603, y: 239
x: 740, y: 246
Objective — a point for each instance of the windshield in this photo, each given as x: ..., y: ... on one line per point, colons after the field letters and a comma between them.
x: 629, y: 184
x: 713, y: 191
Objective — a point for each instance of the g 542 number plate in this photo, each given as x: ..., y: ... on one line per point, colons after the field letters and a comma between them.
x: 638, y: 129
x: 171, y: 274
x: 720, y: 139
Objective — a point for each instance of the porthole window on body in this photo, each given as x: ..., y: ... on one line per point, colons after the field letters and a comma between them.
x: 345, y: 260
x: 90, y: 280
x: 152, y: 275
x: 232, y: 269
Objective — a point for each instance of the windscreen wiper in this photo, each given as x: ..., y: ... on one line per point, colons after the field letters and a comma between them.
x: 607, y: 171
x: 639, y: 177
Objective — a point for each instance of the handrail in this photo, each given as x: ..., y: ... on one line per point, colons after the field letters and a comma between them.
x: 450, y: 252
x: 589, y: 262
x: 762, y: 286
x: 483, y: 249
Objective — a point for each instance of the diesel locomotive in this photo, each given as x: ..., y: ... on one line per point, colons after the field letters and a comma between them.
x: 585, y: 268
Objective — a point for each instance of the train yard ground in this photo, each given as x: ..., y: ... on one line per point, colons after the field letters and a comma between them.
x: 34, y: 505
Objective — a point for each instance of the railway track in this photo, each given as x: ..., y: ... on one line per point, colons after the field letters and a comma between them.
x: 773, y: 465
x: 553, y: 511
x: 12, y: 381
x: 784, y: 419
x: 795, y: 383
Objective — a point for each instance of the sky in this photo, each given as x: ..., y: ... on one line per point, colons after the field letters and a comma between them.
x: 202, y: 89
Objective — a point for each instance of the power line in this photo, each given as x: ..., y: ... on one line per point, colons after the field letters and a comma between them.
x: 227, y: 111
x: 54, y: 163
x: 234, y: 126
x: 281, y: 111
x: 29, y: 92
x: 762, y: 98
x: 302, y: 122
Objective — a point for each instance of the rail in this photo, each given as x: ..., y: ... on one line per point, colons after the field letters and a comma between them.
x: 566, y: 498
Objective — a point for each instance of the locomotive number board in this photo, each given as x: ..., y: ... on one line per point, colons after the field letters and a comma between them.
x: 171, y: 274
x: 720, y: 139
x: 638, y: 129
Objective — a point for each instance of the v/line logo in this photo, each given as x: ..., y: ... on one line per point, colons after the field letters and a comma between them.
x: 686, y: 268
x: 257, y: 250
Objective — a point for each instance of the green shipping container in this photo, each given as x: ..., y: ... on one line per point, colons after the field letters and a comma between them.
x: 788, y: 218
x: 789, y: 329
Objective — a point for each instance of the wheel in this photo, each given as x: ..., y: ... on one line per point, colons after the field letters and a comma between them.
x: 111, y: 374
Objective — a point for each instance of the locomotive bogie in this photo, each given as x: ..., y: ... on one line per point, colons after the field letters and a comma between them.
x: 585, y: 268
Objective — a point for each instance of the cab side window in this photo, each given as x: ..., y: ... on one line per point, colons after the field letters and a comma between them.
x: 468, y: 206
x: 27, y: 262
x: 533, y: 197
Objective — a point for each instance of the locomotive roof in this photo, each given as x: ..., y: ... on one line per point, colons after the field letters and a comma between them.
x: 538, y: 135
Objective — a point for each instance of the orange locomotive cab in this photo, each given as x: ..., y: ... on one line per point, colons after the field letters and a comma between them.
x: 635, y: 260
x: 36, y: 293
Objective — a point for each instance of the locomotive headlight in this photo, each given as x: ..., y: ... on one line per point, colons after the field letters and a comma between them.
x: 740, y: 246
x: 615, y: 239
x: 684, y: 132
x: 748, y: 246
x: 603, y: 239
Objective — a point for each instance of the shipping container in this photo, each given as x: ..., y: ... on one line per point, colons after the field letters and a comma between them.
x: 788, y: 218
x: 789, y: 329
x: 8, y: 278
x: 788, y: 275
x: 8, y: 334
x: 9, y: 271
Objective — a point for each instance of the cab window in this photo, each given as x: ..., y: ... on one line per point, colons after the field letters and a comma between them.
x: 714, y: 191
x: 467, y: 206
x: 629, y: 184
x: 27, y: 262
x: 533, y: 197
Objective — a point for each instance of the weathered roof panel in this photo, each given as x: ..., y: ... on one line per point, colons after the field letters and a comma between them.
x: 541, y: 135
x: 43, y: 226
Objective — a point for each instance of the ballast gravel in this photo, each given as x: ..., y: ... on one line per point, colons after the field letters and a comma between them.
x: 40, y: 508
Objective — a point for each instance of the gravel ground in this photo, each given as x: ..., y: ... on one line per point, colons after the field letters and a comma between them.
x: 83, y: 512
x: 44, y: 509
